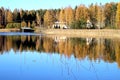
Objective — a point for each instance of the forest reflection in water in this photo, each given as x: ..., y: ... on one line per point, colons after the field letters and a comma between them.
x: 94, y: 49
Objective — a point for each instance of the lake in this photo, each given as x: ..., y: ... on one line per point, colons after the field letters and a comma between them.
x: 30, y: 56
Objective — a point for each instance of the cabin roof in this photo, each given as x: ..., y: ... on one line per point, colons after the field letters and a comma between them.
x: 25, y: 27
x: 60, y: 22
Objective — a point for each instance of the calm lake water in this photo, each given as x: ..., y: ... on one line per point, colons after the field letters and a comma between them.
x: 30, y: 56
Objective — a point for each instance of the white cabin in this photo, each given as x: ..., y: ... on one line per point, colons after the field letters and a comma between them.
x: 60, y: 25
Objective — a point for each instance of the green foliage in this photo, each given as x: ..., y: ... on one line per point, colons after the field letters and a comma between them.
x: 81, y: 24
x: 110, y: 27
x: 110, y: 13
x: 13, y: 25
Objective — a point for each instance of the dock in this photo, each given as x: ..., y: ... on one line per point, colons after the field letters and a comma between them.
x: 26, y: 29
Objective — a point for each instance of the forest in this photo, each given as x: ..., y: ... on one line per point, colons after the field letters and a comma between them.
x: 102, y: 16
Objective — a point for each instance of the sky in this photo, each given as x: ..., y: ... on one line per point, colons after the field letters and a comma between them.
x: 48, y: 4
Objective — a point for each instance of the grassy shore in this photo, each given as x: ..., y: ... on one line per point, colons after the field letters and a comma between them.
x: 105, y: 33
x: 9, y: 30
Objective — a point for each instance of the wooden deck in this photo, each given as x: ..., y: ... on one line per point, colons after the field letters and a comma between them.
x: 26, y: 29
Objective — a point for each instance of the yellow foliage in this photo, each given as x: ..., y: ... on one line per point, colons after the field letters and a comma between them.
x: 81, y: 13
x: 118, y: 16
x: 69, y: 15
x: 9, y: 16
x: 23, y: 23
x: 62, y: 16
x: 49, y: 18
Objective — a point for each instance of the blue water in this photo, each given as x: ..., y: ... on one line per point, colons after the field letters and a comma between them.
x: 19, y: 34
x: 29, y: 65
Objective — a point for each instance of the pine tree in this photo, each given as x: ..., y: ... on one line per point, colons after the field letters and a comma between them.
x: 0, y: 17
x: 110, y: 13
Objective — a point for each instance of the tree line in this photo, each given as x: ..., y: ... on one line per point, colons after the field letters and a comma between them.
x: 101, y: 16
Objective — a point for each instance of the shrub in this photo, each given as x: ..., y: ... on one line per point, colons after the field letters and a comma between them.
x: 23, y: 23
x: 33, y: 24
x: 80, y: 24
x: 13, y: 25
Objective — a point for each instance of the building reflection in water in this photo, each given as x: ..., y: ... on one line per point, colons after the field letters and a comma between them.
x: 93, y: 48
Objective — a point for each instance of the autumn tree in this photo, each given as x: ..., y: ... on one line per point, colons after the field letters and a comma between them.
x: 21, y: 13
x: 41, y: 13
x: 113, y: 16
x: 3, y: 17
x: 49, y: 18
x: 93, y: 9
x: 9, y: 16
x: 69, y: 15
x: 62, y: 16
x: 16, y: 15
x: 38, y: 19
x: 81, y: 17
x: 29, y: 25
x: 100, y: 17
x: 81, y: 13
x: 57, y: 14
x: 118, y: 16
x: 110, y: 13
x: 31, y: 16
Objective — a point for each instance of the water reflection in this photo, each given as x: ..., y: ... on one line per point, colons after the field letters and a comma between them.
x: 95, y: 49
x: 64, y: 55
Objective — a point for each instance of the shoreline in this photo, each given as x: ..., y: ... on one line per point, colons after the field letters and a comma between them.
x: 105, y: 33
x: 100, y: 33
x: 10, y: 30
